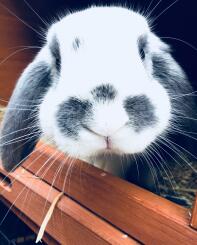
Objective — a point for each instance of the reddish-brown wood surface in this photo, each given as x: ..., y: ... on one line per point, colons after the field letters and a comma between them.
x: 20, y: 30
x: 70, y: 224
x: 139, y: 213
x: 15, y: 37
x: 194, y: 215
x: 35, y: 228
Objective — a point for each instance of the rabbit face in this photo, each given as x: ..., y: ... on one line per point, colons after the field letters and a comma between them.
x: 105, y: 97
x: 105, y: 84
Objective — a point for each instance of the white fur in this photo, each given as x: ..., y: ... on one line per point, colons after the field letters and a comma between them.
x: 108, y: 53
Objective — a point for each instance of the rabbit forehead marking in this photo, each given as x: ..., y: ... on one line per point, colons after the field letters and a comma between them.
x: 104, y: 92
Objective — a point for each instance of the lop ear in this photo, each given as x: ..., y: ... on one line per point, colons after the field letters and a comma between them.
x: 20, y: 127
x: 183, y: 122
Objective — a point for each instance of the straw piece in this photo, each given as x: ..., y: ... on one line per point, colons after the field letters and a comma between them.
x: 47, y: 217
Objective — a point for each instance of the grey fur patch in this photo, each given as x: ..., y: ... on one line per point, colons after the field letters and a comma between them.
x: 20, y: 130
x: 104, y: 92
x: 72, y: 115
x: 140, y: 112
x: 173, y: 79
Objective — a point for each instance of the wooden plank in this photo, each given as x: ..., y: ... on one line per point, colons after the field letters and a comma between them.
x: 139, y: 213
x: 71, y: 223
x: 46, y: 238
x: 194, y: 215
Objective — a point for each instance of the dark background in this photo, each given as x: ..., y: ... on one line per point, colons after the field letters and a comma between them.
x: 179, y: 21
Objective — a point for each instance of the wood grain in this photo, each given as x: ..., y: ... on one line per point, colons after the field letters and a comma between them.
x: 139, y: 213
x: 194, y: 215
x: 46, y: 238
x: 71, y: 223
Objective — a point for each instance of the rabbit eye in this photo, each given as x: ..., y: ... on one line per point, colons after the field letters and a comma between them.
x: 55, y: 50
x: 142, y: 43
x: 76, y: 43
x: 142, y: 54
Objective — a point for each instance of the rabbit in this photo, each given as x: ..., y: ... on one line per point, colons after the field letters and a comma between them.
x: 104, y: 87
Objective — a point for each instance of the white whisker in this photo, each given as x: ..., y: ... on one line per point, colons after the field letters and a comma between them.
x: 152, y: 10
x: 165, y: 10
x: 25, y: 23
x: 16, y: 52
x: 43, y: 21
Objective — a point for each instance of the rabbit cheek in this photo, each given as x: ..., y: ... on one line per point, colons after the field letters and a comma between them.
x: 73, y: 115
